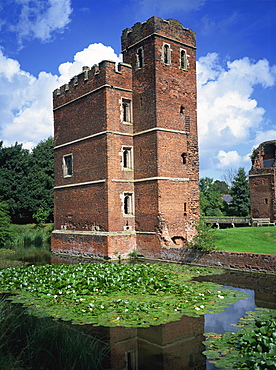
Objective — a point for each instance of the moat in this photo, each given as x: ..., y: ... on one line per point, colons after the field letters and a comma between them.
x: 177, y: 344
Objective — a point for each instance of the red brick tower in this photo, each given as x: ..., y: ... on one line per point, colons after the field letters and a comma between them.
x: 163, y: 59
x: 126, y: 156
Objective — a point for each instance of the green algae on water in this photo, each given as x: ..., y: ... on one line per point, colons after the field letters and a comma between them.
x: 116, y: 294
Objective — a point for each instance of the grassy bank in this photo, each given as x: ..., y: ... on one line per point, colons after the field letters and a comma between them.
x: 31, y: 243
x: 247, y: 239
x: 30, y: 234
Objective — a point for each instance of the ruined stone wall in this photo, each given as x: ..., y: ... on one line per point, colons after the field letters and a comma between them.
x: 262, y: 181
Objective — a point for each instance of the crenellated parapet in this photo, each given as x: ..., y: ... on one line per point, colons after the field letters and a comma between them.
x: 170, y: 28
x: 102, y: 75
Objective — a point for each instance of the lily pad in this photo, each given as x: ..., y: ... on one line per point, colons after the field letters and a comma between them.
x: 116, y: 294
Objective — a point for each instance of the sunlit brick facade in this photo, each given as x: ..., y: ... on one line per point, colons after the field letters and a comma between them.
x: 126, y: 148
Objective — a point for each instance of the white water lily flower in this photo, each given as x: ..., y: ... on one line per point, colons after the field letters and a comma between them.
x: 197, y: 308
x: 201, y: 306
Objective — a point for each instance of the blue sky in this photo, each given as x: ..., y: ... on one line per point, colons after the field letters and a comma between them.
x: 43, y: 43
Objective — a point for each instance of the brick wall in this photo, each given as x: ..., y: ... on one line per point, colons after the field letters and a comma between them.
x: 160, y: 131
x: 262, y: 181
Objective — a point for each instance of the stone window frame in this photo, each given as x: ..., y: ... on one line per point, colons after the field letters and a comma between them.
x: 127, y: 158
x: 166, y: 53
x: 67, y: 165
x: 126, y: 110
x: 128, y: 203
x: 183, y: 60
x: 140, y: 62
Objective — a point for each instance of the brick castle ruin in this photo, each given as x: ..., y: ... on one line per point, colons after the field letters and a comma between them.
x: 262, y: 181
x: 126, y: 148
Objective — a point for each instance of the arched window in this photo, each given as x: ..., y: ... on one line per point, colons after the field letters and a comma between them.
x: 140, y: 58
x: 127, y: 158
x: 126, y: 108
x: 128, y: 204
x: 166, y: 54
x: 183, y: 59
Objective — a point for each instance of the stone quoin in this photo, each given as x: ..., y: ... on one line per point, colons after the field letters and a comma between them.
x: 126, y: 148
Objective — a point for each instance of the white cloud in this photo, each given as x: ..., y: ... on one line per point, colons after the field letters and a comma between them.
x: 230, y: 120
x: 26, y: 101
x: 91, y: 55
x: 228, y: 159
x: 227, y: 113
x: 262, y: 136
x: 39, y: 19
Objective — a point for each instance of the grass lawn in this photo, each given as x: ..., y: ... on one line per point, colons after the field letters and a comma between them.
x: 247, y: 239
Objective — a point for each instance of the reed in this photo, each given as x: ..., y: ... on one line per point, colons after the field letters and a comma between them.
x: 28, y: 342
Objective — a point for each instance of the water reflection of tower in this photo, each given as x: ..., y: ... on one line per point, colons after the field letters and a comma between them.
x: 176, y: 345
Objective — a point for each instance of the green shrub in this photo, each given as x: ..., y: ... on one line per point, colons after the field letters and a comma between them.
x: 204, y: 240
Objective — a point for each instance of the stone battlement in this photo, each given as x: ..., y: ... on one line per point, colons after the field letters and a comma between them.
x: 104, y: 74
x: 170, y: 28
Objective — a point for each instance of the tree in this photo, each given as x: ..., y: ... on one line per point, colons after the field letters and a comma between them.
x: 27, y: 180
x: 240, y: 203
x: 222, y: 187
x: 42, y: 164
x: 14, y: 180
x: 4, y: 223
x: 211, y: 202
x: 229, y: 175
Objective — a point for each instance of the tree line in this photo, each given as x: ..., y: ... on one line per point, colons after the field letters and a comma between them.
x: 211, y: 199
x: 27, y: 181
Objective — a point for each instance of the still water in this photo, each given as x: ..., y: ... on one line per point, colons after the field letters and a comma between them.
x: 178, y: 345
